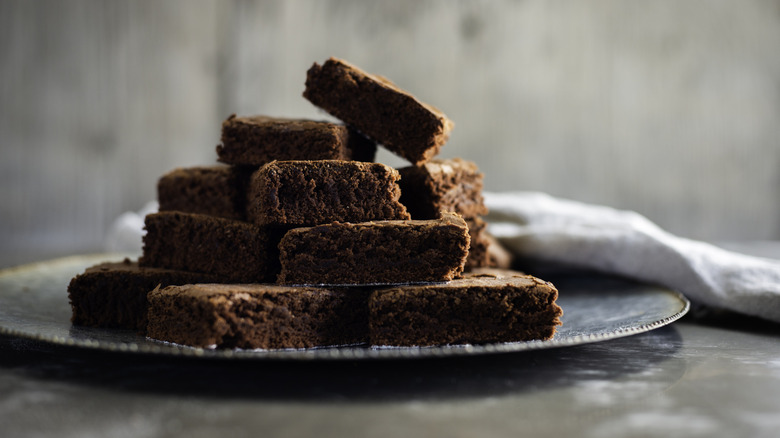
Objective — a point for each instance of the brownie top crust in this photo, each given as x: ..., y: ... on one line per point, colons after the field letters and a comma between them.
x: 235, y: 291
x: 492, y: 278
x: 113, y: 294
x: 445, y: 219
x: 379, y: 109
x: 132, y: 267
x: 126, y: 265
x: 284, y: 125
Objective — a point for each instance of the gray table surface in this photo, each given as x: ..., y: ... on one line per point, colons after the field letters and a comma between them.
x: 711, y: 374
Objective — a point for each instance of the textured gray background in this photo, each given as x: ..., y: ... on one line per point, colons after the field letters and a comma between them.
x: 668, y: 108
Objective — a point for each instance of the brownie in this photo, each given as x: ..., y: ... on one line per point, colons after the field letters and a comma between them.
x: 478, y: 248
x: 478, y: 308
x: 306, y: 193
x: 232, y: 250
x: 442, y: 185
x: 379, y: 109
x: 495, y: 272
x: 256, y: 140
x: 498, y: 255
x: 378, y: 252
x: 113, y: 295
x: 258, y: 316
x: 213, y: 190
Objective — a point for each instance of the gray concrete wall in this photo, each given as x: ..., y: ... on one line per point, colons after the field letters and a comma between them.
x: 668, y: 108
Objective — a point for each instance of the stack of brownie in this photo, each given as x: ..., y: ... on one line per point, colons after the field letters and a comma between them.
x: 298, y: 239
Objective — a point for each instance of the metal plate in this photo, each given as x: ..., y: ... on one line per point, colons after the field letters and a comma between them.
x: 34, y: 305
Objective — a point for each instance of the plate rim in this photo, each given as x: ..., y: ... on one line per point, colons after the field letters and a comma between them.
x: 330, y: 353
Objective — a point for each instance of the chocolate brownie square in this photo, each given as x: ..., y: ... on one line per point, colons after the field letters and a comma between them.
x: 234, y: 251
x: 478, y: 308
x: 258, y: 316
x: 442, y: 185
x: 378, y: 252
x: 256, y: 140
x: 379, y: 109
x: 113, y: 295
x: 306, y: 193
x: 212, y: 190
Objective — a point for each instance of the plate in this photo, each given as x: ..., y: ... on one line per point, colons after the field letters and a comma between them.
x: 34, y: 305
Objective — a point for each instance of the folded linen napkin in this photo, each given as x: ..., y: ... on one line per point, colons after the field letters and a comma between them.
x: 126, y: 232
x: 541, y: 227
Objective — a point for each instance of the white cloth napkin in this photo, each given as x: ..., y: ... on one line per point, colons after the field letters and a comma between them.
x: 538, y: 226
x: 126, y: 232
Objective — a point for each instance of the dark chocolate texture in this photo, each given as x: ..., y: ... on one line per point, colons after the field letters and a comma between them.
x: 375, y: 252
x: 113, y: 295
x: 482, y: 307
x: 258, y: 316
x: 479, y: 256
x: 379, y: 109
x: 211, y: 190
x: 306, y: 193
x: 257, y: 140
x: 442, y: 185
x: 234, y: 251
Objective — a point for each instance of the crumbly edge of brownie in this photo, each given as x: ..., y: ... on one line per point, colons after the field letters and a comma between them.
x: 449, y: 185
x: 113, y: 294
x: 258, y: 316
x: 211, y: 190
x: 498, y: 255
x: 378, y: 252
x: 306, y: 193
x: 479, y: 255
x: 379, y: 109
x: 257, y: 140
x: 234, y: 251
x: 481, y: 308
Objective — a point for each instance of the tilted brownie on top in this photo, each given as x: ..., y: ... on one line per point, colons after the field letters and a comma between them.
x: 256, y: 140
x: 212, y: 190
x: 234, y: 251
x: 305, y: 193
x: 113, y: 295
x: 379, y: 109
x: 481, y: 307
x: 378, y: 252
x: 258, y: 316
x: 442, y: 185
